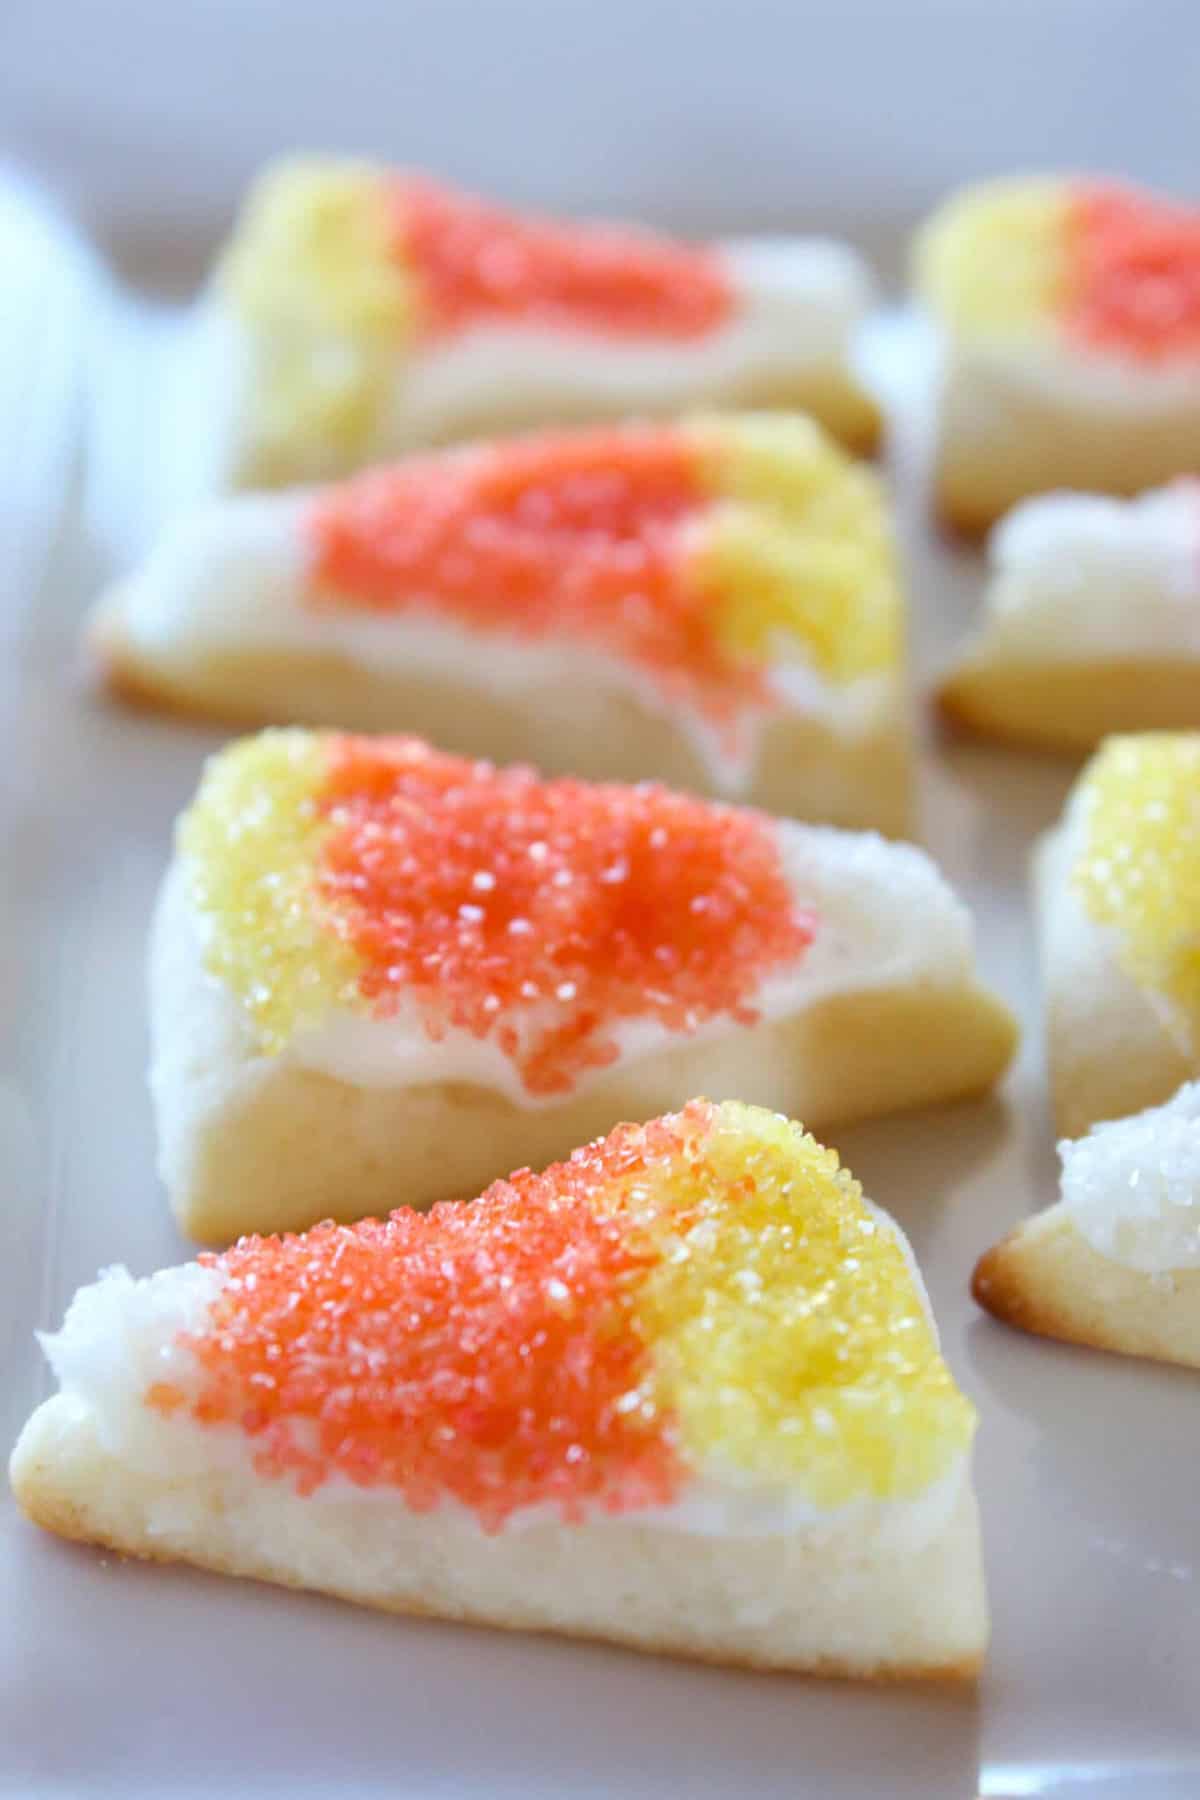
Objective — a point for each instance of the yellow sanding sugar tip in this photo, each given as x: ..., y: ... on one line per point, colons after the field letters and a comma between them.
x: 315, y: 243
x: 313, y: 274
x: 1139, y: 871
x: 250, y: 843
x: 788, y: 1336
x: 993, y: 261
x: 799, y: 547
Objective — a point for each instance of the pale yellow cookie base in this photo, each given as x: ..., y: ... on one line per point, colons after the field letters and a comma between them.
x: 1068, y: 707
x: 804, y: 769
x: 1109, y: 1052
x: 833, y: 1602
x: 252, y: 1143
x: 1046, y: 1278
x: 998, y: 443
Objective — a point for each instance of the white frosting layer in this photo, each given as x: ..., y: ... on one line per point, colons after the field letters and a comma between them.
x: 233, y: 577
x: 120, y: 1336
x: 800, y: 302
x: 1081, y: 576
x: 226, y: 576
x: 1132, y: 1186
x: 884, y: 918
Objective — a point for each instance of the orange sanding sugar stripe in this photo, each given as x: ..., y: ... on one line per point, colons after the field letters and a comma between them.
x: 581, y: 537
x: 1133, y: 282
x: 540, y: 914
x: 487, y: 1354
x: 478, y: 264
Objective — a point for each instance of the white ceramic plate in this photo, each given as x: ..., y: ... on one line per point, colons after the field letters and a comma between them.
x: 123, y: 1680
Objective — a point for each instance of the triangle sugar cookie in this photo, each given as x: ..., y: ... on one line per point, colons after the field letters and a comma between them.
x: 361, y: 311
x: 1115, y: 1263
x: 1067, y: 314
x: 1091, y: 622
x: 682, y: 1392
x: 714, y: 602
x: 380, y: 972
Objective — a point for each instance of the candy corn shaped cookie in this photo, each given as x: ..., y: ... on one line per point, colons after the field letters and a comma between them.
x: 1069, y: 315
x: 1092, y: 622
x: 360, y: 311
x: 382, y: 972
x: 1119, y: 916
x: 682, y: 1392
x: 714, y: 603
x: 1116, y: 1262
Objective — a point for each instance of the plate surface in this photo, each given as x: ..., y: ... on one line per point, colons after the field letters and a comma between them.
x: 122, y: 1680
